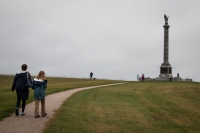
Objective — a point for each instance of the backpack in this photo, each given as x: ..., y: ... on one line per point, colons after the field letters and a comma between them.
x: 28, y: 83
x: 22, y: 81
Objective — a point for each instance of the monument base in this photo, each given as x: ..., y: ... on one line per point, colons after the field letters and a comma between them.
x: 164, y: 77
x: 165, y: 71
x: 177, y: 79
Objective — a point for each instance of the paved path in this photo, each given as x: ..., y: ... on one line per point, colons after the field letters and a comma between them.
x: 29, y: 124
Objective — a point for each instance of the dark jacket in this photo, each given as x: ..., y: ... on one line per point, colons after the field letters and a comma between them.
x: 39, y: 87
x: 20, y: 85
x: 142, y: 76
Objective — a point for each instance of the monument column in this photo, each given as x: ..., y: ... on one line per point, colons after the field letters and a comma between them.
x: 166, y: 43
x: 166, y: 69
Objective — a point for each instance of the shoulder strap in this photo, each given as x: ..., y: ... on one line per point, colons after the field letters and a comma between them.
x: 27, y: 75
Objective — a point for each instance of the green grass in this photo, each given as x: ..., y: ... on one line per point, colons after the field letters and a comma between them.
x: 149, y: 107
x: 8, y: 98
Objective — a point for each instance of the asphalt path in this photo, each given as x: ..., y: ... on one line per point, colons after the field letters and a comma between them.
x: 30, y: 124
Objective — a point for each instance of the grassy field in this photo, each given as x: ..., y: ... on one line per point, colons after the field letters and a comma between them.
x: 8, y: 98
x: 149, y: 107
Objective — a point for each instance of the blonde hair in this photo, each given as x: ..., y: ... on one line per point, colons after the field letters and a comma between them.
x: 41, y: 75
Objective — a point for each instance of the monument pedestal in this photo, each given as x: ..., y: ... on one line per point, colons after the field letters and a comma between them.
x: 165, y: 76
x: 166, y: 70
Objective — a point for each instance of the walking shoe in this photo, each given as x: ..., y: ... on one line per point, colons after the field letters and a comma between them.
x: 37, y: 116
x: 22, y: 113
x: 17, y: 111
x: 44, y: 114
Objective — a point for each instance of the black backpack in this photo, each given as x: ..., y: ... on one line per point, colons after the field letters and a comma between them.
x: 22, y: 82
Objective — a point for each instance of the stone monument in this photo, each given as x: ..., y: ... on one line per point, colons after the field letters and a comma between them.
x: 165, y: 68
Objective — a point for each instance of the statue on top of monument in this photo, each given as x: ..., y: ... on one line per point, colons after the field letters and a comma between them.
x: 166, y: 18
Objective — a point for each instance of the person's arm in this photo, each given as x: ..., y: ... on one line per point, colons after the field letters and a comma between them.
x: 33, y: 85
x: 14, y: 83
x: 45, y: 84
x: 29, y: 77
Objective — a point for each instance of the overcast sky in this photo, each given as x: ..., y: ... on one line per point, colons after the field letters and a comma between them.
x: 115, y: 39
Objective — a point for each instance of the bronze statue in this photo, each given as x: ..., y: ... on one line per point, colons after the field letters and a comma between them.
x: 166, y: 18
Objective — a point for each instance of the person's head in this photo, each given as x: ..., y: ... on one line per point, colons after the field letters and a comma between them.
x: 41, y: 75
x: 24, y: 67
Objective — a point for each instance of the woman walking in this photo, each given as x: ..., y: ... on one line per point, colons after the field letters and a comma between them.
x: 39, y: 85
x: 22, y: 90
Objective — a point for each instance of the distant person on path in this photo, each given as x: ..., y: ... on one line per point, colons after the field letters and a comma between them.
x: 178, y: 75
x: 138, y: 77
x: 39, y: 85
x: 91, y: 74
x: 22, y: 90
x: 142, y: 77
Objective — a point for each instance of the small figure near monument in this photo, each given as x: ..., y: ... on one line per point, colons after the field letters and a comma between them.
x: 166, y: 18
x: 178, y: 75
x: 91, y: 74
x: 143, y: 77
x: 138, y: 77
